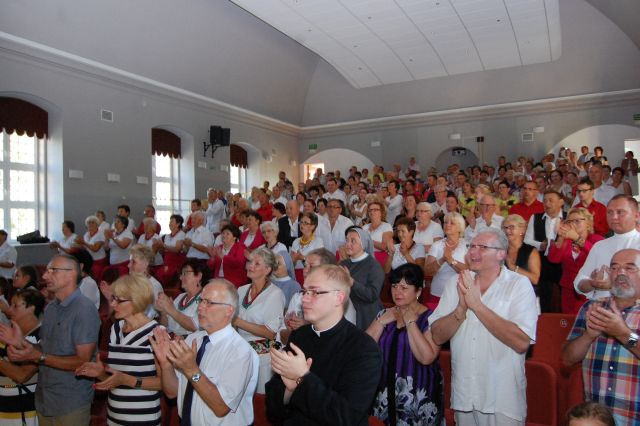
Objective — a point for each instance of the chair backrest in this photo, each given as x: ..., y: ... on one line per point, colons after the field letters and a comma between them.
x: 553, y: 330
x: 542, y: 394
x: 260, y: 410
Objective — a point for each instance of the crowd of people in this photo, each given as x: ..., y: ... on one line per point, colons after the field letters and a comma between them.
x: 334, y: 299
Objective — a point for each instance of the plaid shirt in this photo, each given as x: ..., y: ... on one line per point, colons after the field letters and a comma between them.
x: 610, y: 371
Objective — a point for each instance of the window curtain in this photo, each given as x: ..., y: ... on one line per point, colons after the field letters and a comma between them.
x: 164, y: 143
x: 23, y: 117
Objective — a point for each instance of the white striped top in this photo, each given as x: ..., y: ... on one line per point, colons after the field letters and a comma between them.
x: 131, y: 353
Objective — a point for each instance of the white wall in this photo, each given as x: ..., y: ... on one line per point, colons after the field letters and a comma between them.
x: 339, y: 159
x: 610, y: 137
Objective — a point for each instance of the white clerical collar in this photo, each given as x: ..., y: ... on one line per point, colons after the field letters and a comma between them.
x: 360, y: 258
x: 319, y: 332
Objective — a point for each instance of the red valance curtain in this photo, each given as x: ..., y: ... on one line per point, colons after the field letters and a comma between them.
x: 238, y: 156
x: 23, y: 117
x: 163, y: 142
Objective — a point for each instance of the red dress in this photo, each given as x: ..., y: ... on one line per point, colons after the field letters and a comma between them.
x: 233, y: 265
x: 571, y: 301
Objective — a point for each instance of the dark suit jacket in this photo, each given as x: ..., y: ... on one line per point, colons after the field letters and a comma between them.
x: 284, y: 231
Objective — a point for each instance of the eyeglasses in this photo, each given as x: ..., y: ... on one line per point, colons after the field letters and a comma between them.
x: 574, y: 221
x: 509, y: 228
x: 423, y: 211
x: 584, y: 190
x: 315, y: 293
x: 333, y: 207
x: 51, y: 269
x: 119, y: 300
x: 487, y: 205
x: 482, y: 247
x: 305, y: 223
x: 186, y: 272
x: 208, y: 302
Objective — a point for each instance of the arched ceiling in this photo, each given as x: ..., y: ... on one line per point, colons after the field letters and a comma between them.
x: 376, y: 42
x: 216, y: 49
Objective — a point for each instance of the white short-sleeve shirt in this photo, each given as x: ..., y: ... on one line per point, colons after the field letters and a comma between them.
x: 446, y: 274
x: 417, y: 252
x: 117, y: 254
x: 232, y: 365
x: 157, y: 260
x: 487, y: 375
x: 434, y: 230
x: 266, y: 309
x: 316, y: 243
x: 91, y: 240
x: 202, y: 236
x: 376, y: 234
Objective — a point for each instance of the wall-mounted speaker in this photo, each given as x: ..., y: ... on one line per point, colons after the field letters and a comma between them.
x: 215, y: 135
x: 226, y: 137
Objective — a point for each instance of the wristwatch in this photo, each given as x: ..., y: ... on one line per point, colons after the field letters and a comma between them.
x: 196, y: 377
x: 43, y: 358
x: 300, y: 379
x: 633, y: 340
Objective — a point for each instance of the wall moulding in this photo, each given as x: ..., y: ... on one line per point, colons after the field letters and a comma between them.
x: 26, y: 51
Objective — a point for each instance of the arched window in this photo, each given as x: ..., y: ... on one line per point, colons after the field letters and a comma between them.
x: 166, y: 152
x: 24, y: 131
x: 238, y: 169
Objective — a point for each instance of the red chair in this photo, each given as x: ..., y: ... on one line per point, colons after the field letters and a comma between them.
x: 374, y: 421
x: 553, y: 330
x: 542, y: 394
x: 260, y: 410
x: 445, y: 365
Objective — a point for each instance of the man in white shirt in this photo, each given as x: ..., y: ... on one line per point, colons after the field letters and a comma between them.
x: 541, y: 233
x: 622, y: 218
x: 488, y: 218
x: 491, y: 321
x: 333, y: 192
x: 439, y: 207
x: 199, y: 239
x: 334, y: 228
x: 215, y: 211
x: 276, y: 196
x: 215, y: 371
x: 8, y: 257
x: 603, y: 193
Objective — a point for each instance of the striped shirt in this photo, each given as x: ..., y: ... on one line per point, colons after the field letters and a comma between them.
x: 611, y: 372
x: 131, y: 353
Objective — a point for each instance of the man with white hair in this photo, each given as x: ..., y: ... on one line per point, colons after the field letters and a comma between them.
x: 215, y: 210
x: 605, y: 338
x: 490, y: 317
x: 199, y: 238
x: 214, y: 372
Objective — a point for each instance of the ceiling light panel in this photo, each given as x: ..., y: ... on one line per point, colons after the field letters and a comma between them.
x: 376, y: 42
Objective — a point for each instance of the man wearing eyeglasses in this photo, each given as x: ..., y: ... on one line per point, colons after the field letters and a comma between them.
x: 605, y: 338
x: 214, y: 372
x: 329, y: 372
x: 68, y: 339
x: 585, y: 192
x: 490, y: 316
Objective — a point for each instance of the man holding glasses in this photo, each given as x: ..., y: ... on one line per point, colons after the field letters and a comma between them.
x: 329, y: 372
x: 490, y: 317
x: 214, y: 372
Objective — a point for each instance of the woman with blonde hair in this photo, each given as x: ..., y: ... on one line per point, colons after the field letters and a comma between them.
x: 574, y: 241
x: 379, y: 230
x: 94, y: 241
x: 521, y: 258
x: 446, y: 257
x: 130, y: 371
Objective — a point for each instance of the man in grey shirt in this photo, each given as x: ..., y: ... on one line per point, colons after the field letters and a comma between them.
x: 68, y: 339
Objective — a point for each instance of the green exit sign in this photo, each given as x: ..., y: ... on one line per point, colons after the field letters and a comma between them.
x: 313, y: 146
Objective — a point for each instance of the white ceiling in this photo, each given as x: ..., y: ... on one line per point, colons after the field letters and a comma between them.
x: 377, y: 42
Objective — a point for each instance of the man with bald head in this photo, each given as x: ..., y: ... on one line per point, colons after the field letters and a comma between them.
x: 603, y: 193
x: 605, y: 338
x: 488, y: 217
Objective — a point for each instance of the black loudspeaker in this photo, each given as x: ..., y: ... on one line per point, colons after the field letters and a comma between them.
x: 226, y: 137
x: 215, y: 135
